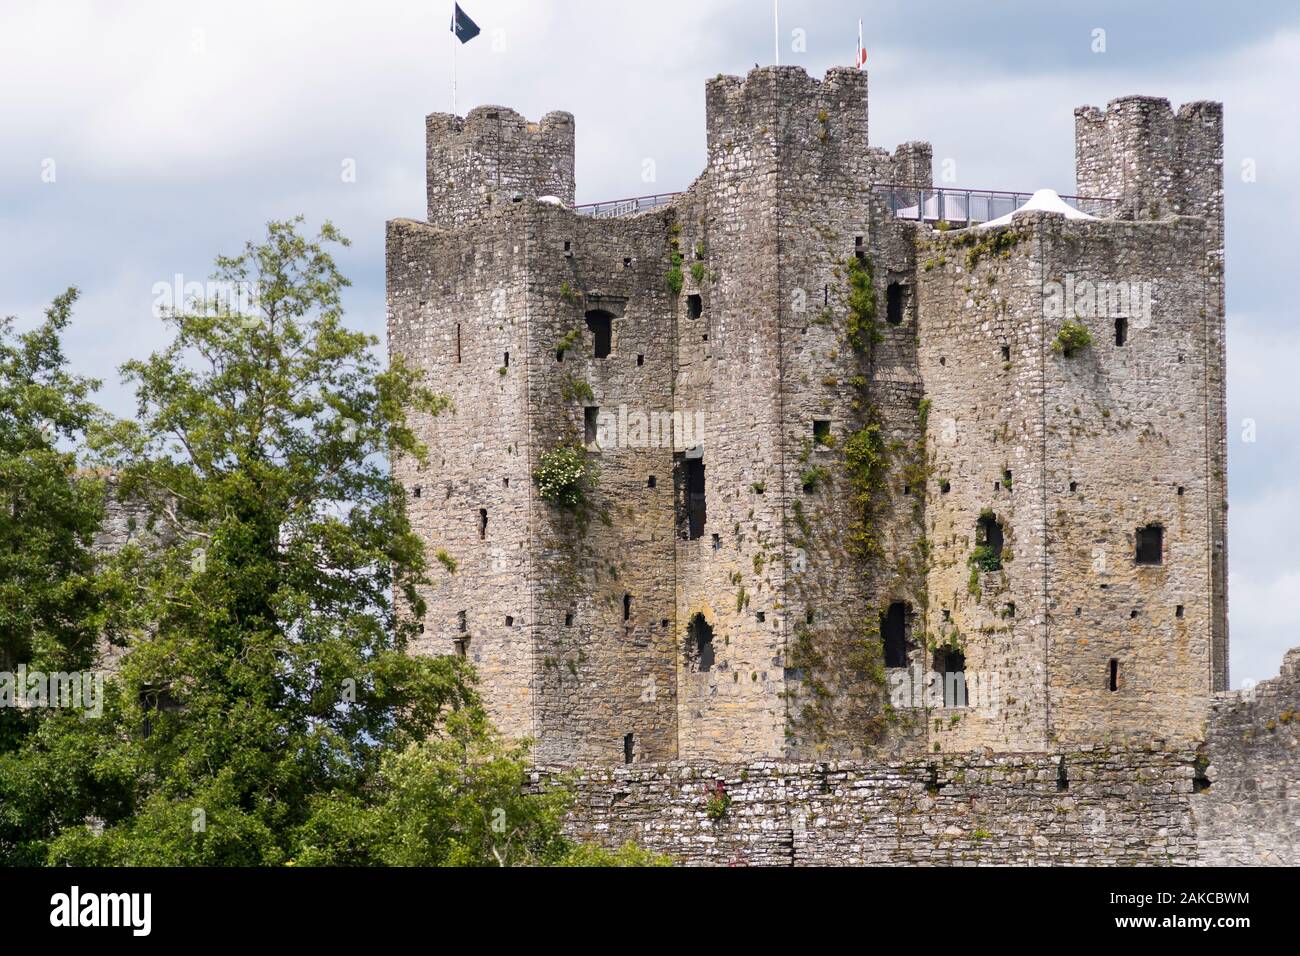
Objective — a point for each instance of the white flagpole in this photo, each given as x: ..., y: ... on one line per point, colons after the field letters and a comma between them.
x: 776, y: 30
x: 857, y: 60
x: 455, y: 42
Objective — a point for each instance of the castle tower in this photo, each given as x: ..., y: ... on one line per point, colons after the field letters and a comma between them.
x: 1160, y: 163
x: 492, y: 156
x: 849, y: 498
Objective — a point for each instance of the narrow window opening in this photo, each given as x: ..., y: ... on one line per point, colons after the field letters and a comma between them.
x: 1178, y: 611
x: 462, y: 621
x: 943, y: 360
x: 1201, y: 779
x: 590, y: 420
x: 988, y: 543
x: 1150, y: 544
x: 1121, y: 331
x: 457, y: 343
x: 1062, y: 777
x: 568, y: 619
x: 1114, y: 674
x: 415, y: 492
x: 1133, y: 614
x: 1074, y: 486
x: 568, y: 246
x: 650, y: 482
x: 895, y: 299
x: 694, y: 306
x: 822, y: 431
x: 1006, y: 353
x: 762, y: 616
x: 640, y: 360
x: 699, y: 641
x: 809, y: 616
x: 559, y: 355
x: 629, y: 747
x: 952, y: 665
x: 1181, y: 491
x: 510, y: 621
x: 482, y: 523
x: 505, y: 482
x: 506, y: 361
x: 695, y: 497
x: 1010, y: 610
x: 600, y: 323
x: 627, y: 607
x: 893, y: 634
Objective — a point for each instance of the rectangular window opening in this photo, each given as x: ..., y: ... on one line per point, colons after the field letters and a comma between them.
x: 1121, y: 331
x: 694, y: 306
x: 695, y: 497
x: 893, y: 634
x: 482, y: 523
x: 1150, y: 544
x: 1114, y: 674
x: 590, y: 419
x: 629, y: 747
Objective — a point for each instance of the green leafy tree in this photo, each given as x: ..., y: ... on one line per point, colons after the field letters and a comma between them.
x: 49, y: 514
x: 270, y: 660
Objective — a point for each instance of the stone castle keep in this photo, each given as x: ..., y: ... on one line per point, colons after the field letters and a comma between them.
x: 869, y: 532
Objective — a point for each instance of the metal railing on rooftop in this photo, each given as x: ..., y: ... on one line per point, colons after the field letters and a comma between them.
x: 958, y: 207
x: 624, y: 207
x: 968, y: 207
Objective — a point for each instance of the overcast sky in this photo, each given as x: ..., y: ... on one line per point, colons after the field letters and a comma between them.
x: 174, y: 131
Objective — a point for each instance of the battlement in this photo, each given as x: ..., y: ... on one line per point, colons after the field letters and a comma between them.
x: 1155, y: 161
x: 485, y: 158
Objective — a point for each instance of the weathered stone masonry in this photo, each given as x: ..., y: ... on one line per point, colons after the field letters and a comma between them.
x: 877, y: 397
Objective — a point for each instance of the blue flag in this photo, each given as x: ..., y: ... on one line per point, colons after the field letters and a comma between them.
x: 461, y: 25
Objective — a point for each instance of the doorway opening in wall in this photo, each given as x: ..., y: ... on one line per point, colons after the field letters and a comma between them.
x: 601, y: 324
x: 699, y: 643
x: 893, y: 634
x: 950, y: 664
x: 895, y: 302
x: 1150, y: 544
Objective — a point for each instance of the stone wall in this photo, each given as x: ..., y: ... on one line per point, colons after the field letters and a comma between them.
x: 1249, y: 814
x: 1091, y: 806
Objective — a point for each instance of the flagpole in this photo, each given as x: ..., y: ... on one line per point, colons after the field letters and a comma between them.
x: 776, y: 30
x: 455, y: 40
